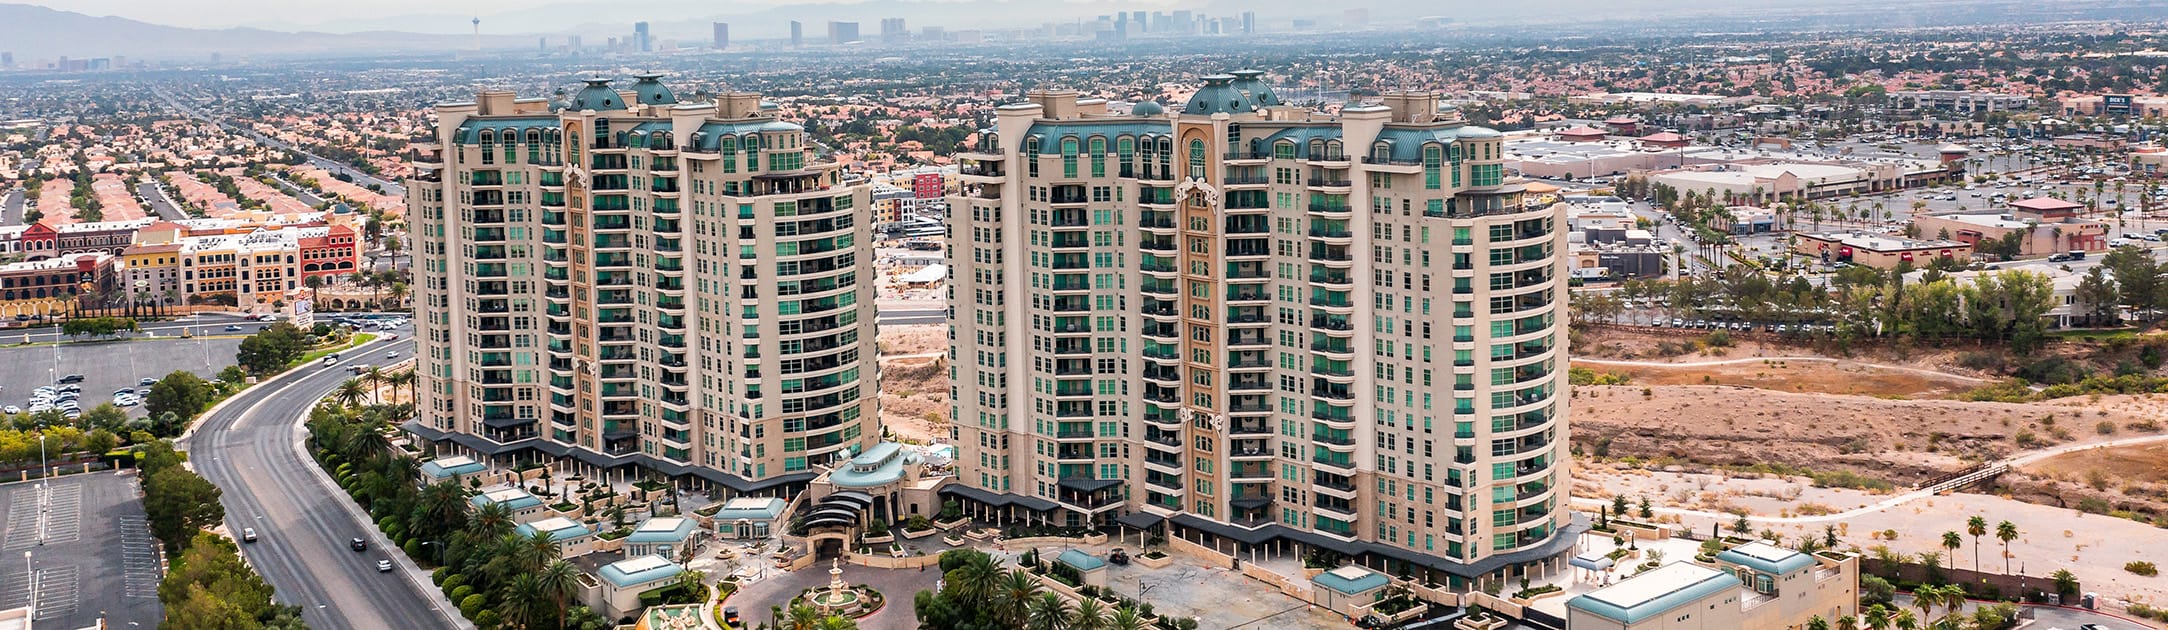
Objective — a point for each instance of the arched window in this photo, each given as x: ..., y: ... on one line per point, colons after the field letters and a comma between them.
x: 1284, y: 149
x: 1068, y: 156
x: 1433, y: 158
x: 1381, y: 151
x: 752, y: 152
x: 1098, y: 149
x: 1317, y: 149
x: 1333, y: 151
x: 1031, y: 156
x: 489, y: 146
x: 534, y: 146
x: 728, y: 146
x: 1196, y: 157
x: 1125, y: 152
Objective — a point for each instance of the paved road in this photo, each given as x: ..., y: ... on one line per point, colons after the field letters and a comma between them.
x: 248, y: 448
x: 199, y: 325
x: 161, y: 205
x: 920, y: 316
x: 11, y: 207
x: 360, y: 178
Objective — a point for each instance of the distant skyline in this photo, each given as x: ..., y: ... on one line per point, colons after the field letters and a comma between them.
x: 327, y: 15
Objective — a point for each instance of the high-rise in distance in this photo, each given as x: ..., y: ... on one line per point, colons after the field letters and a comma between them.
x: 622, y: 283
x: 1266, y: 324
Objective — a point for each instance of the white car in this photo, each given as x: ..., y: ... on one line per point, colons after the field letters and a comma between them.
x: 11, y: 410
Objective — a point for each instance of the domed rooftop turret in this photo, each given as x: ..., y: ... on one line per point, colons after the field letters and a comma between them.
x: 1251, y: 83
x: 1218, y: 95
x: 597, y: 96
x: 651, y: 91
x: 1148, y: 108
x: 1479, y: 133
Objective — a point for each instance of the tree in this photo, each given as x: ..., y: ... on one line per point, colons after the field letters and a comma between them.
x: 272, y: 349
x: 1976, y: 527
x: 349, y: 392
x: 207, y: 586
x: 180, y: 393
x: 2097, y: 296
x: 1876, y: 617
x: 1952, y: 541
x: 1050, y: 611
x: 2137, y: 279
x: 2005, y: 531
x: 179, y: 504
x: 1926, y: 598
x: 2066, y: 583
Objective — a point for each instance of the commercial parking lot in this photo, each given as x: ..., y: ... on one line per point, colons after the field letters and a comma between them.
x: 90, y: 554
x: 110, y: 365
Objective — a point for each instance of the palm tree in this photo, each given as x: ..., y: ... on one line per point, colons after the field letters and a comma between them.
x: 375, y: 377
x: 1090, y: 615
x: 1952, y: 541
x: 525, y: 607
x: 1977, y: 527
x: 349, y: 393
x: 441, y: 509
x: 831, y: 622
x: 560, y: 583
x: 537, y: 550
x: 802, y: 617
x: 366, y: 443
x: 2006, y: 531
x: 1049, y: 612
x: 492, y: 521
x: 1877, y: 617
x: 975, y: 580
x: 1926, y: 598
x: 1126, y: 618
x: 1817, y: 623
x: 1012, y: 597
x: 1906, y: 621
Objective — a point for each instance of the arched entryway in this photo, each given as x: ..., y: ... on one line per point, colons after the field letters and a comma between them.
x: 828, y: 545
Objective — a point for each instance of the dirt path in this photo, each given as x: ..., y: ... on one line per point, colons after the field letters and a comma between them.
x: 1897, y: 500
x: 1689, y: 364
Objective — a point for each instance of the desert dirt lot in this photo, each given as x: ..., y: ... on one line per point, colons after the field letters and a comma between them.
x: 914, y: 381
x: 1901, y: 441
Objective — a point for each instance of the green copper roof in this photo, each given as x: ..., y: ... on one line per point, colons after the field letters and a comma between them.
x: 1080, y: 561
x: 470, y: 130
x: 597, y: 96
x: 1147, y: 108
x: 1765, y: 558
x: 1219, y: 96
x: 651, y: 91
x: 1050, y: 134
x: 1351, y: 580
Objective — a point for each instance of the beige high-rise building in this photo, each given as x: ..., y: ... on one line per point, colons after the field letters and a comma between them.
x: 625, y: 283
x: 1265, y: 328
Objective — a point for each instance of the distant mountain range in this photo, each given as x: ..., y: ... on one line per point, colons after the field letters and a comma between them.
x: 35, y: 33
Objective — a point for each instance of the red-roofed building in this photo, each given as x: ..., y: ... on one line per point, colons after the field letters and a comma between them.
x: 2045, y: 209
x: 1626, y: 125
x: 1666, y: 139
x: 1582, y: 133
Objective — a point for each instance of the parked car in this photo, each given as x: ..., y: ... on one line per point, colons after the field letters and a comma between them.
x: 71, y: 378
x: 147, y: 382
x: 232, y: 328
x: 11, y: 410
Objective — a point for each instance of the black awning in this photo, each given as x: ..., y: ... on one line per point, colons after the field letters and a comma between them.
x: 998, y: 499
x: 859, y: 499
x: 1140, y: 520
x: 1560, y: 542
x: 1087, y: 484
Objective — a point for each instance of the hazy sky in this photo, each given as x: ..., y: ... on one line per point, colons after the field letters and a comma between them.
x: 291, y: 13
x: 225, y: 13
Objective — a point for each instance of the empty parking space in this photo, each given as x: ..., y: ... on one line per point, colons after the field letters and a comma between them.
x: 96, y: 559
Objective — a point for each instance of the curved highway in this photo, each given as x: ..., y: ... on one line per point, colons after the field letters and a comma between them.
x: 303, y: 522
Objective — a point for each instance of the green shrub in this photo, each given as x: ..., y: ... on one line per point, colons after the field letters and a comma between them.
x: 437, y: 577
x: 472, y: 605
x: 2141, y: 567
x: 462, y: 593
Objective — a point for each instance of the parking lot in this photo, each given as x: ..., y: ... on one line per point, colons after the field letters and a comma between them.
x: 88, y: 552
x: 107, y: 366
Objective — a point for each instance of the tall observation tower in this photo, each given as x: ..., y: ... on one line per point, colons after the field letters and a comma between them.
x: 477, y: 33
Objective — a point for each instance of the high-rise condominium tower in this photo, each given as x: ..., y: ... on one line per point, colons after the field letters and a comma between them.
x: 625, y: 282
x: 1264, y: 327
